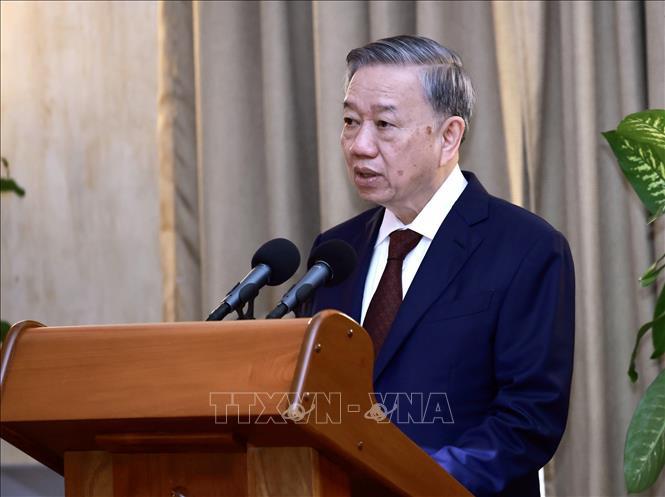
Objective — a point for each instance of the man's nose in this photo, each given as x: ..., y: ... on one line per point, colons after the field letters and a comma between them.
x: 364, y: 143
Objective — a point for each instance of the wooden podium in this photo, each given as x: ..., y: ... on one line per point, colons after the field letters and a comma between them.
x: 209, y: 409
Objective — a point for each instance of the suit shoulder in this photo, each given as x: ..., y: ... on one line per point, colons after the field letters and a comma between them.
x: 518, y: 223
x: 506, y: 221
x: 519, y: 218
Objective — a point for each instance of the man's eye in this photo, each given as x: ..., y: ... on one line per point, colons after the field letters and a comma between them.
x: 383, y: 124
x: 348, y: 121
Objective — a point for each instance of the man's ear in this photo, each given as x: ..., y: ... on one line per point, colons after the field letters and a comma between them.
x: 452, y: 132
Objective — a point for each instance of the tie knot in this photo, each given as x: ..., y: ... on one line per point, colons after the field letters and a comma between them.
x: 401, y: 243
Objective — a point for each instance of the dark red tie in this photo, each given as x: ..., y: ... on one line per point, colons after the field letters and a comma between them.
x: 388, y: 296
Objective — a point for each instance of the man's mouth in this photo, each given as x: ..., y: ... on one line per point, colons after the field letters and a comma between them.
x: 365, y: 173
x: 365, y: 178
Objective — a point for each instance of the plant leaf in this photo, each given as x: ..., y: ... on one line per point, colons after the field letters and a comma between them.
x: 659, y: 321
x: 644, y: 452
x: 652, y: 271
x: 4, y: 329
x: 647, y: 127
x: 632, y: 372
x: 9, y: 185
x: 658, y: 332
x: 639, y: 145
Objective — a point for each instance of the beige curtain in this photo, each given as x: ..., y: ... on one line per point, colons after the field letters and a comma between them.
x: 261, y: 159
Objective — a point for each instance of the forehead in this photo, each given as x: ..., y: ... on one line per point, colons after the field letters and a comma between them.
x: 385, y: 88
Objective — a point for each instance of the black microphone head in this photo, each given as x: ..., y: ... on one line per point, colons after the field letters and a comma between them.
x: 282, y: 256
x: 339, y: 255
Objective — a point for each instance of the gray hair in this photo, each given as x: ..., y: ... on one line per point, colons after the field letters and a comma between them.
x: 446, y: 84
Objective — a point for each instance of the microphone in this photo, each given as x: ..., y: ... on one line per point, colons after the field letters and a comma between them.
x: 330, y: 263
x: 273, y: 263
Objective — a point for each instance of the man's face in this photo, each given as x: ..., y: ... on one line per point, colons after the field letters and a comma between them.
x: 392, y: 140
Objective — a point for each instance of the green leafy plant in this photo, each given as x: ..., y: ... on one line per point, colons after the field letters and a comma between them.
x: 8, y: 185
x: 639, y: 145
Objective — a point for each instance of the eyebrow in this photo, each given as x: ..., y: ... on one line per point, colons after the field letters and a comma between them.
x: 375, y: 108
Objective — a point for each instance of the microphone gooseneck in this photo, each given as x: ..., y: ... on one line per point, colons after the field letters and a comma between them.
x: 272, y: 264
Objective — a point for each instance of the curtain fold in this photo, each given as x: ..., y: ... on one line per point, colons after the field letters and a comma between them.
x: 594, y: 76
x: 287, y: 58
x: 338, y: 28
x: 468, y: 28
x: 550, y: 77
x: 391, y: 18
x: 178, y: 177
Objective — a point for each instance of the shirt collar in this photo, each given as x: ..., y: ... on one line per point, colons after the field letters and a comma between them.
x: 428, y: 221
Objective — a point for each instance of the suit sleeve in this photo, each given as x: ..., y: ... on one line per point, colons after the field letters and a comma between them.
x: 533, y: 354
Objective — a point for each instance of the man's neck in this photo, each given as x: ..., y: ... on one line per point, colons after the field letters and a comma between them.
x: 408, y: 213
x: 431, y: 216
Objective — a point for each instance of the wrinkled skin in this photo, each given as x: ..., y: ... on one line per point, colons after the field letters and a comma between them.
x: 398, y: 151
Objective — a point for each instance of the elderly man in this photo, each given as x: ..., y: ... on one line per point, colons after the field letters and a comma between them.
x: 467, y: 298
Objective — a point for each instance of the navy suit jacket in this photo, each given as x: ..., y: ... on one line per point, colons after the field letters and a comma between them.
x: 487, y: 328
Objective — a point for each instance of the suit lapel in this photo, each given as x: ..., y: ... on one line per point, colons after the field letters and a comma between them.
x: 453, y: 244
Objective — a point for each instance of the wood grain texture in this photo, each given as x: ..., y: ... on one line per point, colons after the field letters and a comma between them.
x: 294, y: 472
x: 146, y: 371
x: 169, y: 442
x: 336, y: 357
x: 7, y: 348
x: 286, y: 471
x: 191, y: 475
x: 88, y: 474
x: 331, y: 480
x: 147, y: 389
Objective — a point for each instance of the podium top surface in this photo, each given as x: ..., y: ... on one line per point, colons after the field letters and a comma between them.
x: 145, y: 370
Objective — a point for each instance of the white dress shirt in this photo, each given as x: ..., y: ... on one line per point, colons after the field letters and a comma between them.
x: 426, y: 223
